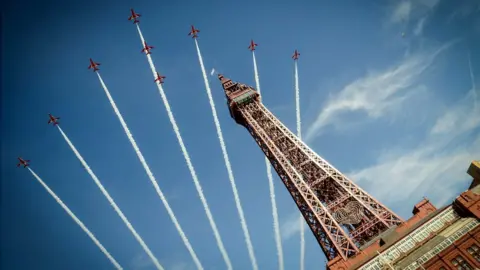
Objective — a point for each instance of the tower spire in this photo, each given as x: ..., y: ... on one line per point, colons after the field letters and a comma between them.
x: 341, y: 215
x: 221, y: 77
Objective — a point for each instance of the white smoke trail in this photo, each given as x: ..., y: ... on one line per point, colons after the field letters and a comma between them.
x: 149, y: 173
x: 302, y: 242
x: 112, y: 202
x: 189, y: 162
x: 297, y: 103
x: 80, y: 223
x: 299, y: 134
x: 227, y: 164
x: 276, y: 227
x: 255, y: 70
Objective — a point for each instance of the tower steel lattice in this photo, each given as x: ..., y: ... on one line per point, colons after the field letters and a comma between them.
x: 341, y: 215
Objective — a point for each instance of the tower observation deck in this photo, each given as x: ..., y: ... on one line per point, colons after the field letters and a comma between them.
x: 342, y: 216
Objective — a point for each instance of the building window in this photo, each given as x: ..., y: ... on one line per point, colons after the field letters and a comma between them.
x: 442, y: 268
x: 473, y: 250
x: 461, y: 264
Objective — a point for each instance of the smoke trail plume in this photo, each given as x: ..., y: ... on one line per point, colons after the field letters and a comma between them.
x: 147, y: 169
x: 111, y: 201
x: 299, y: 134
x: 192, y: 172
x: 297, y: 103
x: 74, y: 217
x: 302, y: 242
x: 227, y: 164
x: 255, y: 70
x: 276, y: 227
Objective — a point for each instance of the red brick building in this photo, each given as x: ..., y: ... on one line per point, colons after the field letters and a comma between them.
x: 441, y: 239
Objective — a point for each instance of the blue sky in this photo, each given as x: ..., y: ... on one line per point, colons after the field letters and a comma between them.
x: 400, y: 116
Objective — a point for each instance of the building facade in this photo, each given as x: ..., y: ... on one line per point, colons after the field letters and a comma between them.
x: 440, y: 239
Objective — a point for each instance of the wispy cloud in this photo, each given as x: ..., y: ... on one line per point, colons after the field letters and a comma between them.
x: 419, y: 27
x: 417, y: 12
x: 465, y: 9
x: 432, y: 167
x: 377, y: 93
x: 406, y: 10
x: 212, y: 72
x: 461, y: 118
x: 141, y: 261
x: 401, y: 12
x: 437, y: 165
x: 464, y: 115
x: 289, y: 227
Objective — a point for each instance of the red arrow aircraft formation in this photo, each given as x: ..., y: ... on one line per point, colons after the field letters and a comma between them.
x: 93, y: 65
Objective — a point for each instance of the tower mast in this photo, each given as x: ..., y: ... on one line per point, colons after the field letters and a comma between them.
x: 341, y: 215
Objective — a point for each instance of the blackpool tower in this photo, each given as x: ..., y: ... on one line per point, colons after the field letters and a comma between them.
x: 341, y: 215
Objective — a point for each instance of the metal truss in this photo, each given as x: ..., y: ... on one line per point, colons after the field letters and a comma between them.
x: 340, y: 214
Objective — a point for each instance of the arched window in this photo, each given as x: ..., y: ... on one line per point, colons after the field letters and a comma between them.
x: 461, y: 264
x: 473, y: 250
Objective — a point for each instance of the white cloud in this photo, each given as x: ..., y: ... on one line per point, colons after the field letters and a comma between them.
x: 290, y: 226
x: 465, y: 115
x: 406, y: 11
x: 460, y: 118
x: 419, y: 27
x: 465, y: 9
x: 377, y: 93
x: 401, y: 12
x: 141, y: 261
x: 436, y: 166
x: 212, y: 72
x: 408, y: 174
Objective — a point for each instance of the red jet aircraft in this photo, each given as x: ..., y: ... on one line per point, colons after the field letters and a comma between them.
x: 134, y: 16
x: 159, y: 78
x: 23, y: 162
x: 295, y: 55
x: 147, y: 48
x: 194, y: 32
x: 252, y: 46
x: 53, y: 119
x: 93, y: 65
